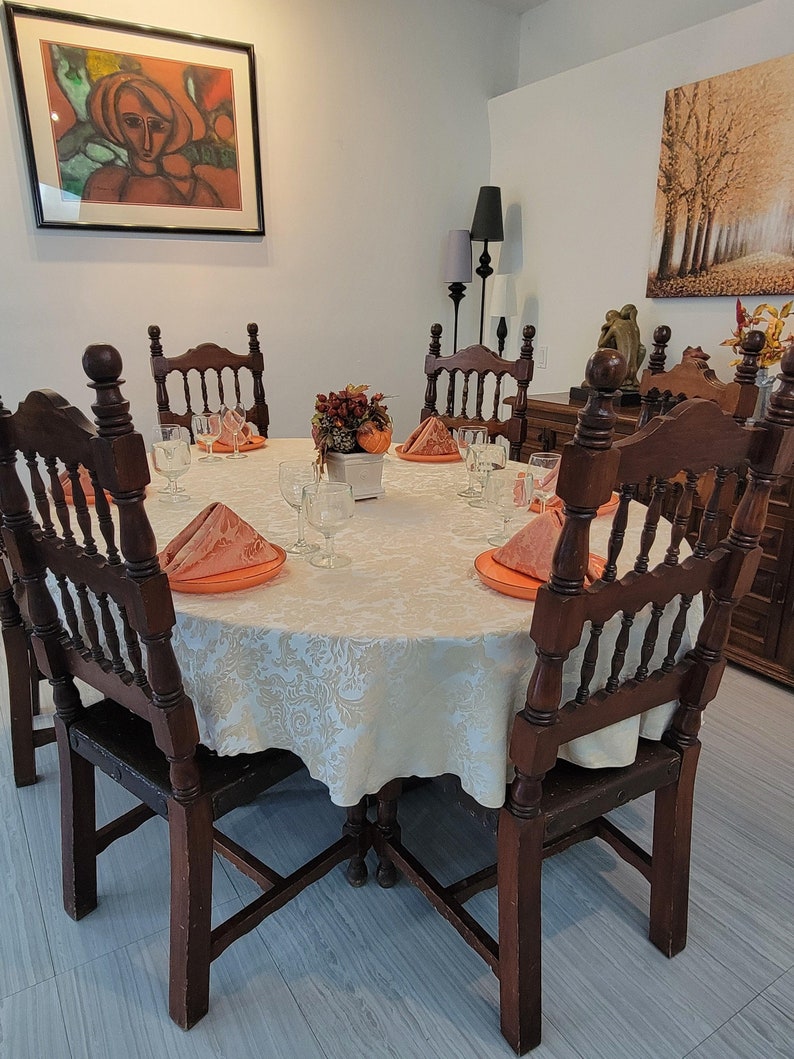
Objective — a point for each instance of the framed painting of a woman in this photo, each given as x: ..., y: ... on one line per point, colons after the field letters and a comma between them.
x: 136, y: 128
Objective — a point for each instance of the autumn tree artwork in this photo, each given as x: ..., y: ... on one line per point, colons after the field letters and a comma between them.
x: 724, y: 215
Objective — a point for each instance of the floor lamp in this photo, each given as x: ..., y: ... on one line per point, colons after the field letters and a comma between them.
x: 487, y: 227
x: 457, y: 271
x: 503, y: 305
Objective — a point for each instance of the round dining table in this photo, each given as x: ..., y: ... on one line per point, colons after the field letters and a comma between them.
x: 401, y: 664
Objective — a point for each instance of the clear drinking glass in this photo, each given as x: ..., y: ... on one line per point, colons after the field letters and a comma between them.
x: 171, y: 459
x: 510, y: 494
x: 328, y: 506
x: 293, y: 475
x: 542, y: 466
x: 167, y: 432
x: 234, y: 418
x: 465, y: 437
x: 207, y: 428
x: 487, y: 458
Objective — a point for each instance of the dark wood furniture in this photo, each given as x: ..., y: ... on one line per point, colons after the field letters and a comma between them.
x: 204, y: 366
x: 480, y: 369
x: 23, y: 680
x: 110, y: 624
x: 552, y: 805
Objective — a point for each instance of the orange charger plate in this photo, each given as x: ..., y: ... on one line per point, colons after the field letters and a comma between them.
x: 256, y: 442
x: 512, y: 582
x: 447, y: 457
x: 232, y: 580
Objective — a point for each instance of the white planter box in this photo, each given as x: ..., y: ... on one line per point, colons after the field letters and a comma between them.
x: 362, y: 470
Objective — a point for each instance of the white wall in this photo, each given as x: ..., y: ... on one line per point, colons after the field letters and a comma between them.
x: 375, y: 141
x: 577, y: 156
x: 561, y: 34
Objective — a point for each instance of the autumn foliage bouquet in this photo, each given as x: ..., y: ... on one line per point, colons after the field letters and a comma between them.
x: 764, y: 318
x: 349, y: 421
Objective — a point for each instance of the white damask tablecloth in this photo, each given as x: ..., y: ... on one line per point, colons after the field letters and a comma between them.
x: 402, y: 664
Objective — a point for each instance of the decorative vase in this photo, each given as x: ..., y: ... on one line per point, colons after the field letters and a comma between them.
x: 765, y: 383
x: 362, y: 470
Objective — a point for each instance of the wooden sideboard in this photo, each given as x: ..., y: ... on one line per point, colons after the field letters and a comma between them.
x: 762, y: 632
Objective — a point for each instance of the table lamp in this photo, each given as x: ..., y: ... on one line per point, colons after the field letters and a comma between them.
x: 503, y: 304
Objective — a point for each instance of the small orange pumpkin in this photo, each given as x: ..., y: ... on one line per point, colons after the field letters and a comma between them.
x: 373, y: 440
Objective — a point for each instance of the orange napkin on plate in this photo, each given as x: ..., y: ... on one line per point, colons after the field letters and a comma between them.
x: 431, y: 438
x: 244, y: 434
x: 85, y: 482
x: 215, y: 542
x: 531, y: 550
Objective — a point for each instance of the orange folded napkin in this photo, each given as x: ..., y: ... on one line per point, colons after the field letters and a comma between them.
x: 215, y: 542
x: 431, y: 438
x: 244, y: 434
x: 531, y: 550
x: 85, y: 483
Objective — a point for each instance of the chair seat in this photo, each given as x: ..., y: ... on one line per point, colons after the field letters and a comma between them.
x: 122, y: 745
x: 573, y: 796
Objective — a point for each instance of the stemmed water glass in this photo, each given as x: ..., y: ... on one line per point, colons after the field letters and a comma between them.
x: 487, y: 458
x: 207, y: 428
x: 293, y: 475
x: 166, y: 432
x: 510, y: 493
x: 171, y: 459
x: 466, y: 437
x: 328, y: 506
x: 234, y: 419
x: 540, y: 466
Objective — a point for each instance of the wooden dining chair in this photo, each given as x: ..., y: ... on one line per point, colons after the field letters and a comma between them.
x: 23, y: 677
x: 661, y: 389
x: 211, y: 376
x: 550, y: 804
x: 109, y: 623
x: 479, y: 369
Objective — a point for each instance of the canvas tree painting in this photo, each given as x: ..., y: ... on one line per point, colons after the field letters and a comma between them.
x: 724, y: 215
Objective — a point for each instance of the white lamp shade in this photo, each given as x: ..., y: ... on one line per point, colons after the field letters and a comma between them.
x: 457, y: 264
x: 503, y: 296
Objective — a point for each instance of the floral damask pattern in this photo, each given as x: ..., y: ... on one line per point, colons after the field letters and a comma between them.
x: 402, y: 664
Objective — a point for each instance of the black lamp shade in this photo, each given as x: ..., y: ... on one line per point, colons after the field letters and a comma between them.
x: 487, y: 223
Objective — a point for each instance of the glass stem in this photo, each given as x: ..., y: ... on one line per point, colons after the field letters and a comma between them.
x: 173, y: 485
x: 542, y: 501
x: 300, y: 539
x: 234, y: 440
x: 329, y: 545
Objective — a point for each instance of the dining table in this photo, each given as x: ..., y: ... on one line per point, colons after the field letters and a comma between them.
x: 403, y: 663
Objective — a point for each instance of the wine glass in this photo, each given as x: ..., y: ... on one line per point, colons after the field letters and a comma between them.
x: 207, y: 428
x: 543, y: 466
x: 466, y: 436
x: 293, y: 475
x: 510, y: 493
x: 166, y: 432
x: 328, y: 506
x: 487, y: 458
x: 171, y: 459
x: 234, y: 419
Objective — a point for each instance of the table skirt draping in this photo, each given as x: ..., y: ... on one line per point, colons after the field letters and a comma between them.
x: 402, y: 664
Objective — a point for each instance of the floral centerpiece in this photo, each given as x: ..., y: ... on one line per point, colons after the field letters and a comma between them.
x: 348, y: 421
x: 764, y: 318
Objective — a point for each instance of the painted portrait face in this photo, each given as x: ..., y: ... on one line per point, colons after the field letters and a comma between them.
x: 145, y: 132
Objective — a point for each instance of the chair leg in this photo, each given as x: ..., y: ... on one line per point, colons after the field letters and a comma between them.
x: 520, y: 859
x: 190, y: 830
x: 21, y: 682
x: 670, y: 859
x: 78, y: 827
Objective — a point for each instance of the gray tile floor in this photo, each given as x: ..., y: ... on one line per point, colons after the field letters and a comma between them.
x: 373, y: 973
